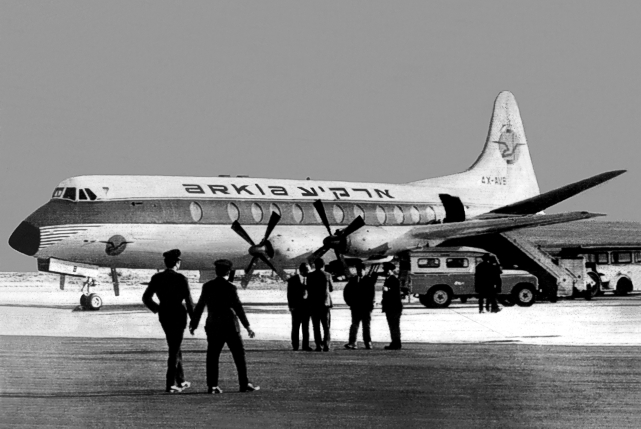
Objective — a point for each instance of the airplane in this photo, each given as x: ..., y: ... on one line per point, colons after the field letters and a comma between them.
x: 128, y: 221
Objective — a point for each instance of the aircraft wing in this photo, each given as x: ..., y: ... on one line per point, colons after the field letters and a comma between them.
x: 501, y: 223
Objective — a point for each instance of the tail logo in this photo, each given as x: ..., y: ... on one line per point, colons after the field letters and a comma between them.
x: 508, y: 145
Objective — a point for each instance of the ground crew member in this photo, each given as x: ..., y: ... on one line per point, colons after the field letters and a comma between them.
x: 359, y: 295
x: 172, y: 289
x: 319, y: 286
x: 392, y: 305
x: 487, y: 279
x: 224, y: 309
x: 297, y: 302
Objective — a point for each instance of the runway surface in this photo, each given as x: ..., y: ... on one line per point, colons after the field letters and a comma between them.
x: 569, y: 364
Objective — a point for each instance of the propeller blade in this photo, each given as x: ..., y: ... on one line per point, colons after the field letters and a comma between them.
x: 320, y: 209
x: 273, y: 220
x: 248, y: 272
x: 282, y: 274
x: 238, y: 229
x: 352, y: 227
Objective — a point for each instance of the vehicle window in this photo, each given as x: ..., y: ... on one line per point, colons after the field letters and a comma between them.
x: 70, y: 194
x: 339, y: 214
x: 590, y: 257
x: 297, y: 211
x: 82, y: 195
x: 637, y: 256
x: 428, y: 263
x: 233, y: 212
x: 90, y: 194
x: 456, y: 263
x: 621, y: 257
x: 478, y: 260
x: 257, y: 212
x: 602, y: 258
x: 57, y: 193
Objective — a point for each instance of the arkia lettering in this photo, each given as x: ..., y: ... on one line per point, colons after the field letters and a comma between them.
x: 311, y: 192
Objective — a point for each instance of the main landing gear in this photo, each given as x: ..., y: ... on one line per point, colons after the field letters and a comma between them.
x: 89, y: 300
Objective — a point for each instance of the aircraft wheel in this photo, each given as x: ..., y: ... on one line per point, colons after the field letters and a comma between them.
x: 94, y: 301
x: 593, y: 283
x: 83, y: 300
x: 440, y: 297
x: 523, y: 295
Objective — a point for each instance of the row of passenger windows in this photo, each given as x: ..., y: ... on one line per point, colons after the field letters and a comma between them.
x: 614, y: 257
x: 397, y: 215
x: 74, y: 194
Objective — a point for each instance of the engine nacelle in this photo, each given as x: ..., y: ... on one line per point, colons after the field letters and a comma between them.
x: 368, y: 241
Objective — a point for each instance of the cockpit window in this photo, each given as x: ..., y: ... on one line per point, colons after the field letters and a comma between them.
x: 57, y: 193
x: 70, y: 194
x: 82, y: 195
x: 90, y: 194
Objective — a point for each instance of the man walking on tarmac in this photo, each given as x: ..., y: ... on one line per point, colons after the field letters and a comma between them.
x: 172, y: 289
x: 487, y: 282
x: 319, y: 286
x: 359, y: 296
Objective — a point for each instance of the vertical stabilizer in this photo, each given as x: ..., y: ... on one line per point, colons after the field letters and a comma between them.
x: 503, y: 173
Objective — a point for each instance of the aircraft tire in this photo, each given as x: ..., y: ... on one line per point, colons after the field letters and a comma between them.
x: 94, y: 301
x: 440, y: 297
x: 523, y: 294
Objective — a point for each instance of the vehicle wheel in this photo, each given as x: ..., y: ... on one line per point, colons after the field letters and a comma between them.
x: 463, y: 299
x: 593, y: 283
x: 623, y: 287
x: 523, y: 295
x: 506, y: 301
x: 440, y: 297
x: 94, y: 301
x: 83, y: 300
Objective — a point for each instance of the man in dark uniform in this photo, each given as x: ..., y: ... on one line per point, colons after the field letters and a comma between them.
x: 224, y: 309
x: 319, y: 286
x: 297, y: 302
x: 359, y: 295
x: 392, y: 305
x: 172, y: 289
x: 487, y: 282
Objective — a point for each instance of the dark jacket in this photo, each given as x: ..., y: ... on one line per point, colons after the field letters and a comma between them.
x: 392, y: 301
x: 319, y: 286
x: 487, y: 278
x: 296, y: 292
x: 359, y: 293
x: 223, y: 307
x: 172, y: 289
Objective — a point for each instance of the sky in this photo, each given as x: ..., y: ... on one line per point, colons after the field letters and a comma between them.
x: 381, y: 91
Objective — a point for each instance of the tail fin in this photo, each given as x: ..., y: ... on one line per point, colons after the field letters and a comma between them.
x: 503, y: 173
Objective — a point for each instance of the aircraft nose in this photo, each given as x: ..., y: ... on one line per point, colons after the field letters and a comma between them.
x: 25, y: 239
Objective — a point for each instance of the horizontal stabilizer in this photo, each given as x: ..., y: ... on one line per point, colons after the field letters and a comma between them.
x: 471, y: 228
x: 548, y: 199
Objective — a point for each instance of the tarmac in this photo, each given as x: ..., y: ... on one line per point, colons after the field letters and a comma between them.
x: 569, y: 364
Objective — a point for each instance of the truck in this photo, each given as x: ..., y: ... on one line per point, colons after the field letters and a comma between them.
x: 439, y: 275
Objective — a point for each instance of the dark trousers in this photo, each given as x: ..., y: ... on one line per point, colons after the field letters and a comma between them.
x: 490, y: 300
x: 300, y: 317
x: 394, y: 322
x: 321, y: 316
x: 215, y: 343
x: 174, y: 335
x: 360, y: 315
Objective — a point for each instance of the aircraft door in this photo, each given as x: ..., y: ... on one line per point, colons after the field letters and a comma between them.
x: 454, y: 209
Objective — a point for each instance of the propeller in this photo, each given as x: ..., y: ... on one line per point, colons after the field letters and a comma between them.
x: 336, y: 240
x: 263, y: 251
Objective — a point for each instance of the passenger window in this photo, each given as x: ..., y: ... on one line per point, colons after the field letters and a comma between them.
x: 90, y: 194
x: 430, y: 215
x: 621, y: 257
x: 196, y: 211
x: 257, y: 212
x: 297, y: 211
x: 380, y: 215
x: 82, y: 195
x: 456, y: 263
x: 339, y: 214
x: 602, y: 258
x: 358, y: 211
x: 70, y: 194
x: 57, y: 193
x: 233, y: 212
x: 428, y: 263
x: 415, y: 215
x: 399, y: 216
x: 275, y: 209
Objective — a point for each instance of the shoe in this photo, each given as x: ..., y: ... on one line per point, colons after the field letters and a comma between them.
x: 318, y: 349
x: 214, y: 390
x: 392, y: 347
x: 308, y: 349
x: 497, y: 310
x: 481, y: 311
x: 326, y: 348
x: 174, y: 389
x: 185, y: 385
x: 295, y: 349
x: 249, y: 388
x: 350, y: 346
x: 368, y: 346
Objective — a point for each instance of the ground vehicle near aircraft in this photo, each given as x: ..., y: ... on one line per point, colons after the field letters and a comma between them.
x: 611, y: 268
x: 439, y: 275
x: 129, y: 221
